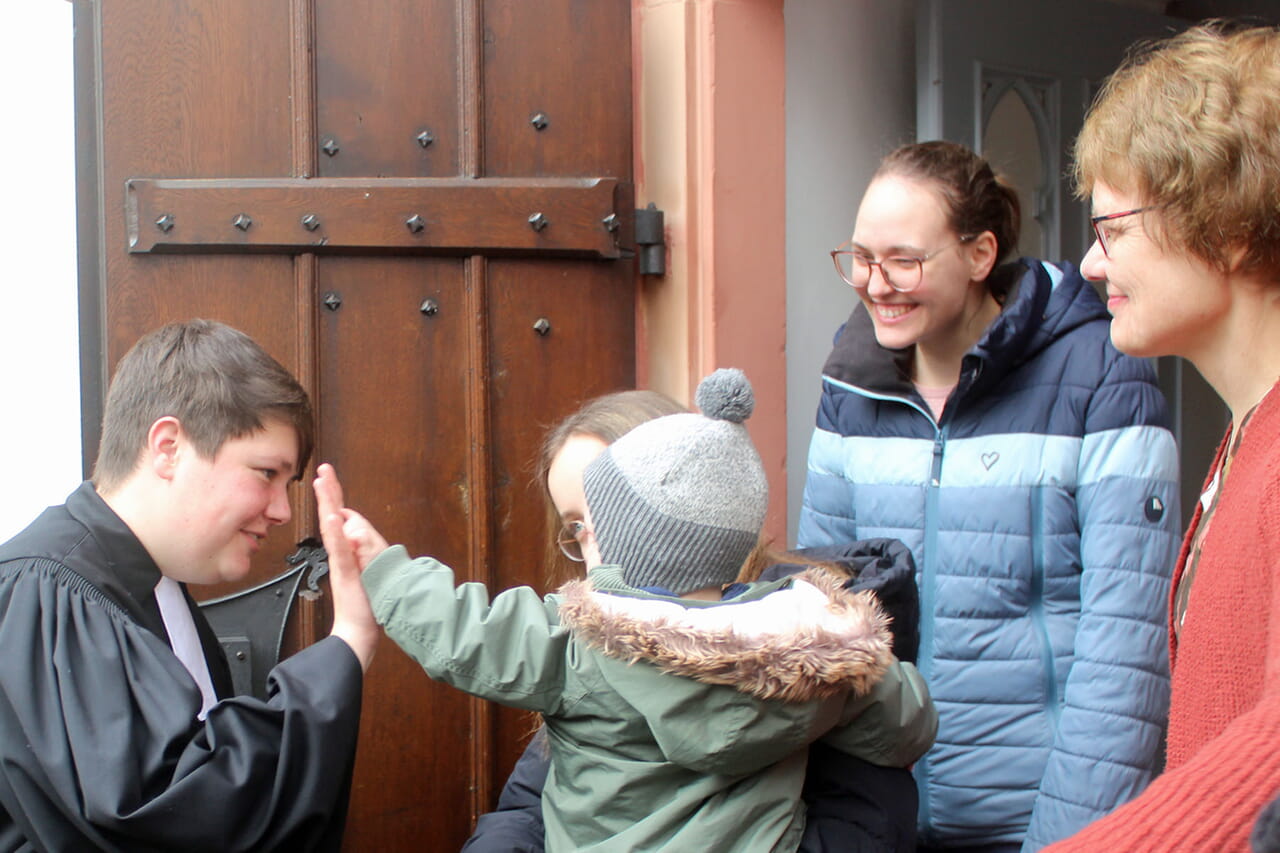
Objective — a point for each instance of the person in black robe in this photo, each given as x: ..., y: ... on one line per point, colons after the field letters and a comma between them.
x: 118, y: 727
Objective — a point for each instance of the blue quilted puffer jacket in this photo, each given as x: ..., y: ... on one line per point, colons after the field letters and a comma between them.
x: 1042, y: 510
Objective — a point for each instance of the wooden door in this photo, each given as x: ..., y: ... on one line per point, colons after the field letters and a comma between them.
x: 424, y: 209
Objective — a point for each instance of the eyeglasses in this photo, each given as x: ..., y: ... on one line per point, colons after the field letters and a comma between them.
x: 1101, y: 233
x: 570, y: 540
x: 902, y: 272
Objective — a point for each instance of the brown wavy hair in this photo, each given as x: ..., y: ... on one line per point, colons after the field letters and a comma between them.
x: 1191, y: 124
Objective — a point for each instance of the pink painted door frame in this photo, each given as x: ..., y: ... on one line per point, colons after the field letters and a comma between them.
x: 710, y: 152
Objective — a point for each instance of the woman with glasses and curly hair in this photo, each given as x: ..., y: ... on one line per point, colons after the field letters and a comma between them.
x: 1181, y: 158
x: 974, y: 408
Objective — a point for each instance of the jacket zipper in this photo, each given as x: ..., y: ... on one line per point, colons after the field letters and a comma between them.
x: 924, y: 660
x: 927, y: 572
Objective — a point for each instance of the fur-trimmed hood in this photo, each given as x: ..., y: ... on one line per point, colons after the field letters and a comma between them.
x: 808, y: 639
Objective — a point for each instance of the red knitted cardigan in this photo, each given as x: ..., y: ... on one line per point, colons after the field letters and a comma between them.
x: 1224, y: 716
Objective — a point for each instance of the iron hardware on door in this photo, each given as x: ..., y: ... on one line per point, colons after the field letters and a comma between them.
x: 386, y: 213
x: 250, y: 624
x: 651, y: 241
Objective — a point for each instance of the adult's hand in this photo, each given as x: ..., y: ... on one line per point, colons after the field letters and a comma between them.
x: 353, y: 620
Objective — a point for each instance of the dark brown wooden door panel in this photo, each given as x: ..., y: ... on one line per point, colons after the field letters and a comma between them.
x: 570, y: 63
x: 393, y: 398
x: 437, y: 358
x: 201, y: 90
x: 384, y: 76
x: 557, y: 335
x: 537, y: 379
x: 394, y: 405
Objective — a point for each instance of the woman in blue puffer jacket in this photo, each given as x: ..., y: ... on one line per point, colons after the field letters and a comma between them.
x: 977, y: 411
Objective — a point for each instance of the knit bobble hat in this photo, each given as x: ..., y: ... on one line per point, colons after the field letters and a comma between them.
x: 678, y: 502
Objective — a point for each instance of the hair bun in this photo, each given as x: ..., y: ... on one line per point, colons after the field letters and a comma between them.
x: 726, y: 395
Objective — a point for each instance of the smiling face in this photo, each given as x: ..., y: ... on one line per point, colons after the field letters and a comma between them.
x: 564, y: 483
x: 222, y: 508
x: 1163, y: 301
x: 905, y: 217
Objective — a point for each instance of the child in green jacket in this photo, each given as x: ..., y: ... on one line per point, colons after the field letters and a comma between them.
x: 678, y: 717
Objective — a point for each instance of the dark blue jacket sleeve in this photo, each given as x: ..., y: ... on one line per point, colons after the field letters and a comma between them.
x: 516, y: 825
x: 855, y: 806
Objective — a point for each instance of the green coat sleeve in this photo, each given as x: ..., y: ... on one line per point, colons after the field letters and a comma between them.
x: 893, y: 725
x: 510, y: 649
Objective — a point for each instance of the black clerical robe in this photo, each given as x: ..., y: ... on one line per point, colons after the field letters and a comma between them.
x: 100, y: 743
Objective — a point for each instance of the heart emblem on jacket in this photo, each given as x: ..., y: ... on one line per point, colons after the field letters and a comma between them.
x: 990, y: 458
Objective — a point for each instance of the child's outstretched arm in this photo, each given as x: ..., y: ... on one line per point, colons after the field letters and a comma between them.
x: 510, y: 650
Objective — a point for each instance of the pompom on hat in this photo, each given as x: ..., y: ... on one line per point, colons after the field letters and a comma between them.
x: 678, y: 502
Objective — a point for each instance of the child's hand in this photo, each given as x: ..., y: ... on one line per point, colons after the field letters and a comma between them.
x: 365, y: 540
x: 353, y: 619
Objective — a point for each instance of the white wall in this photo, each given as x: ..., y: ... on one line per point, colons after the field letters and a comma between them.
x: 39, y: 342
x: 850, y: 99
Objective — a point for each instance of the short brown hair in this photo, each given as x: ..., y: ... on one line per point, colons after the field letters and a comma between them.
x: 217, y: 381
x: 1191, y: 124
x: 975, y: 197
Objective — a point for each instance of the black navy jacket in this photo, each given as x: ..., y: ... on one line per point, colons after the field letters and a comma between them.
x: 100, y: 744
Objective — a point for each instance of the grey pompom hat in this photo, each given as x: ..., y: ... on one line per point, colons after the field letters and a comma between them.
x: 678, y: 502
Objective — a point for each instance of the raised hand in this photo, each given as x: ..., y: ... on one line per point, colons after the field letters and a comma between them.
x: 353, y: 620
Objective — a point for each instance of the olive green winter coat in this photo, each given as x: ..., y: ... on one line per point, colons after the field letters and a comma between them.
x: 673, y: 724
